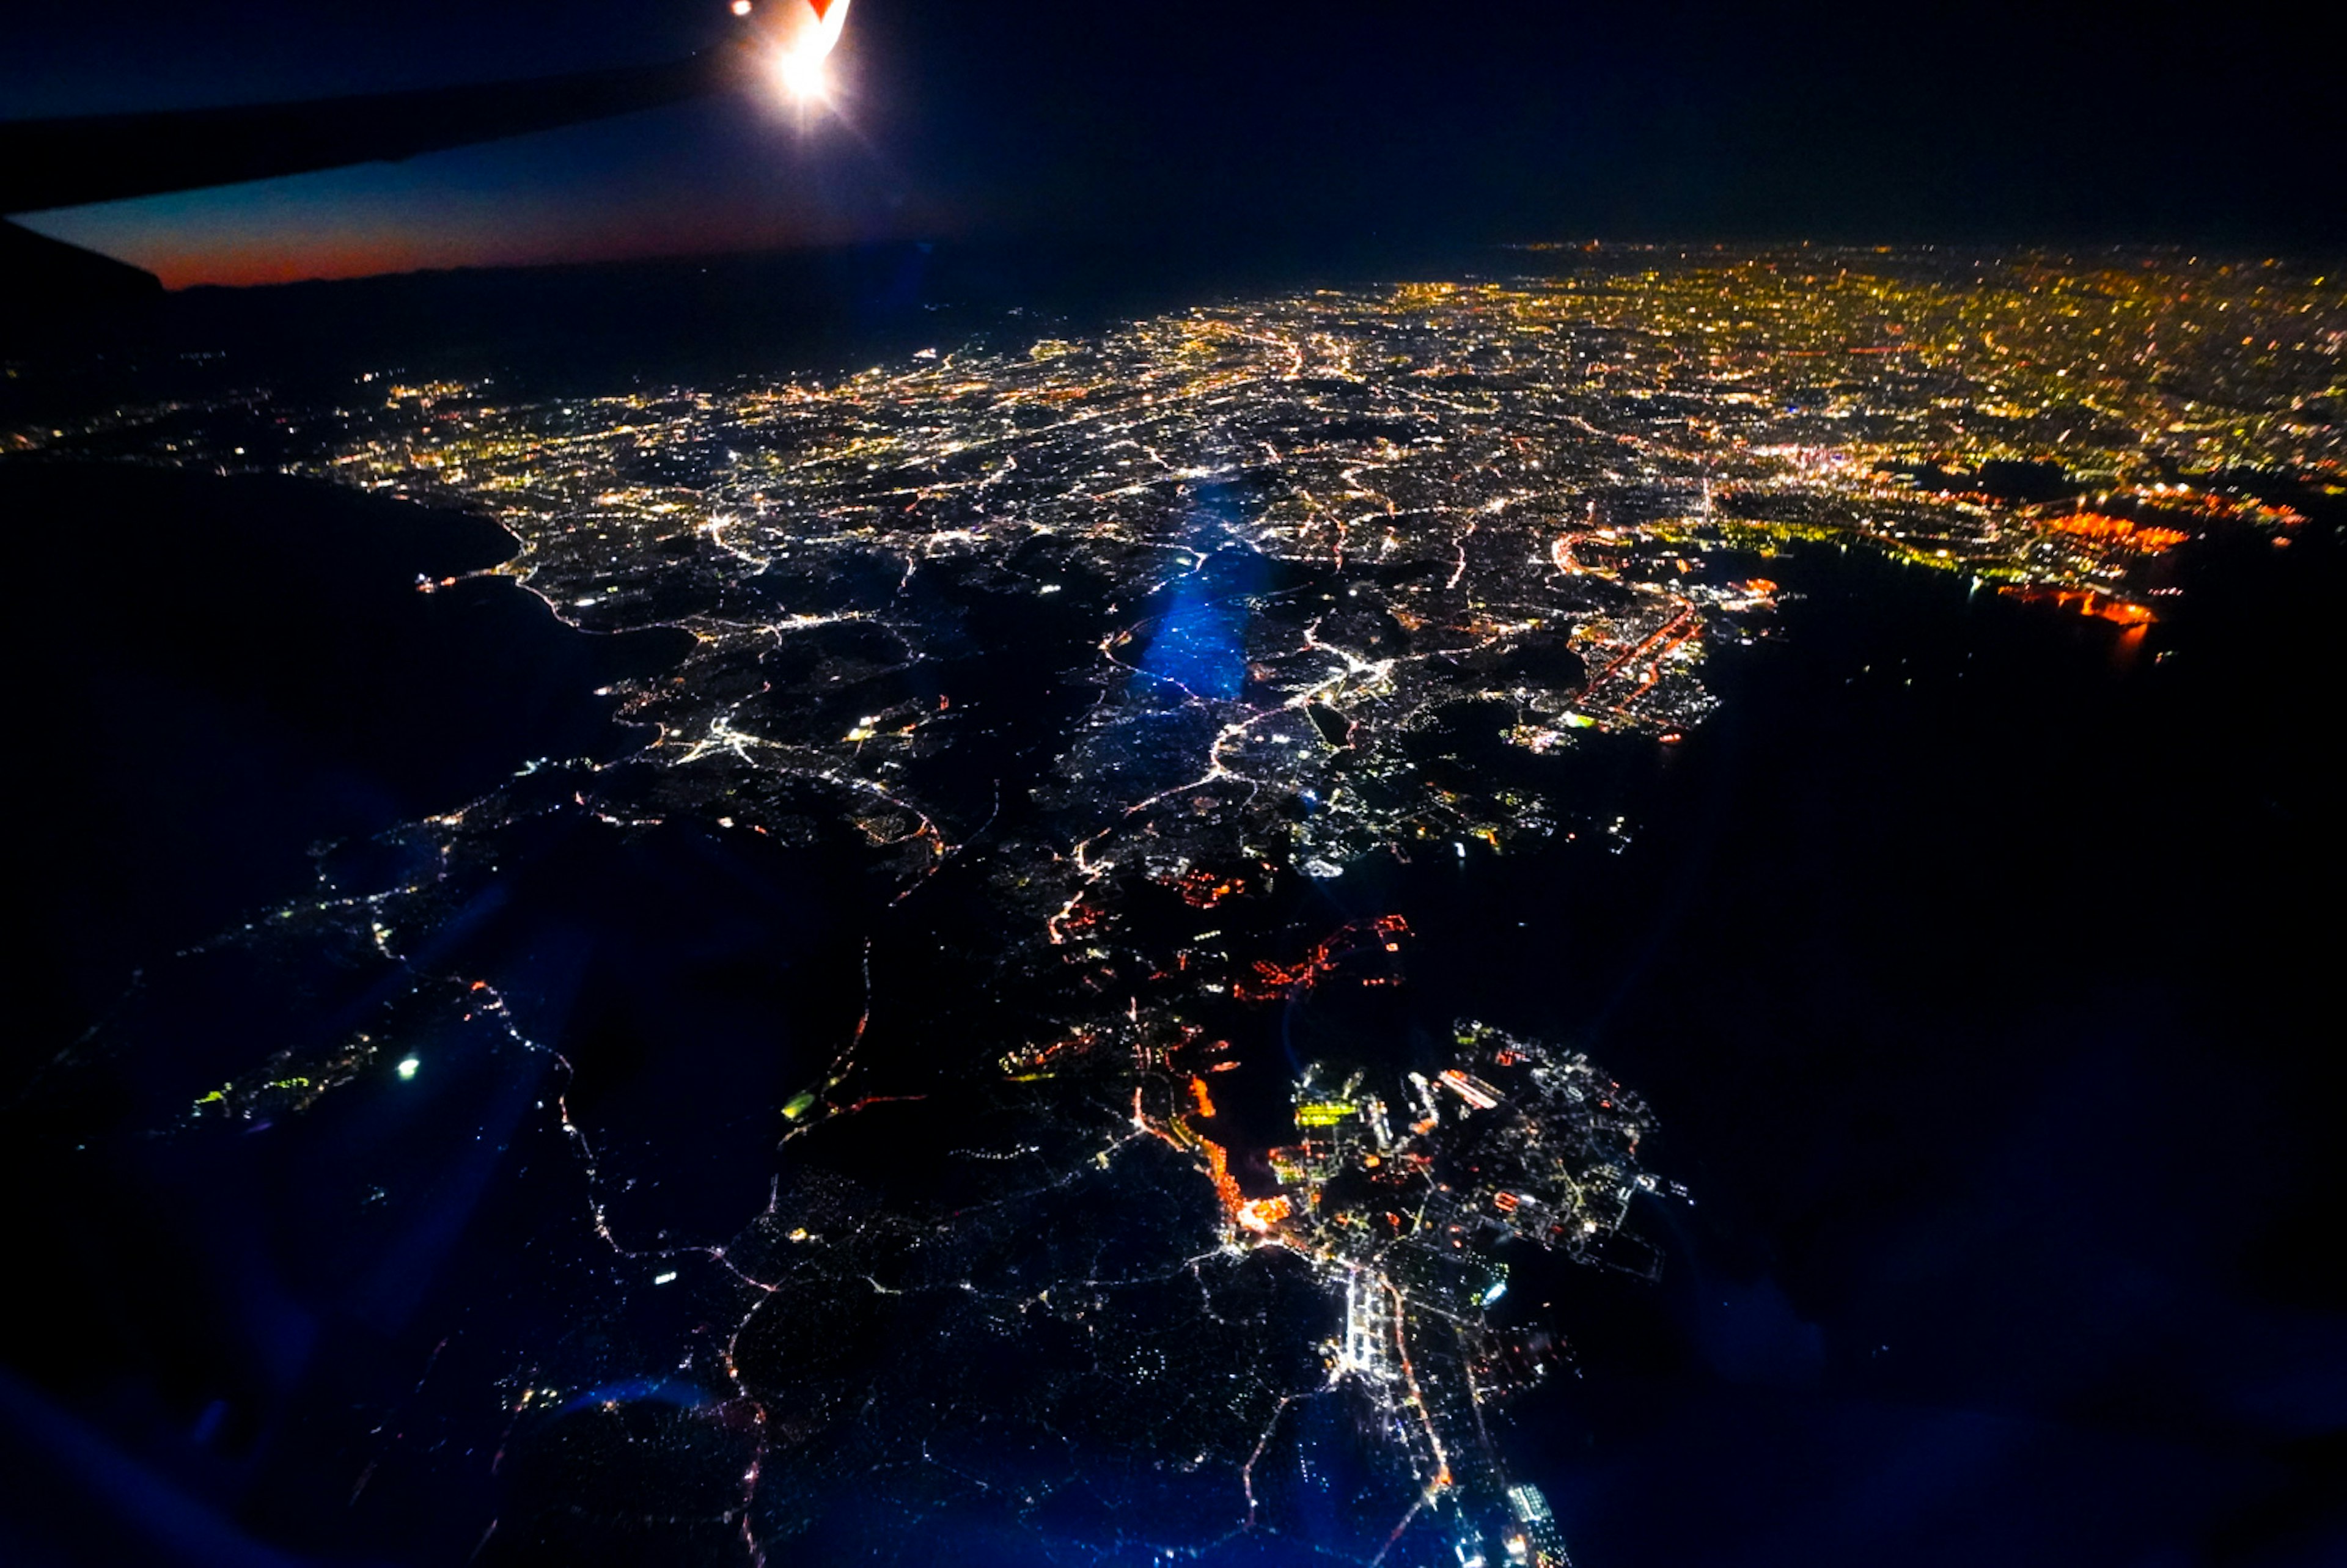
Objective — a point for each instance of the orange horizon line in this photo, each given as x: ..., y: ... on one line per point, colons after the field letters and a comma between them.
x: 357, y: 271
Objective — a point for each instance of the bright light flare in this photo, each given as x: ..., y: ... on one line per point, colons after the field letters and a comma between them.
x: 802, y: 76
x: 804, y: 34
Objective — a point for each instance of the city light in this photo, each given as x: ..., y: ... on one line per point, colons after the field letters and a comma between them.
x: 1523, y: 513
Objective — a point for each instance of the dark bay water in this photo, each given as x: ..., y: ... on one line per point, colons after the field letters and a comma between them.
x: 217, y: 674
x: 1980, y: 993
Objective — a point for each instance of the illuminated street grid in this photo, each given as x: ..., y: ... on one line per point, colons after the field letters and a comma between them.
x: 1312, y: 546
x: 1397, y: 1191
x: 1495, y: 494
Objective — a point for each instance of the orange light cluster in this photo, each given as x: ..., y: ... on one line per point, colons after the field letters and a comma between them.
x: 1271, y: 982
x: 2086, y: 602
x: 1205, y: 1102
x: 1201, y: 889
x: 1080, y: 916
x: 1043, y: 1059
x: 1258, y: 1216
x: 1261, y: 1215
x: 1226, y: 1186
x: 2121, y: 531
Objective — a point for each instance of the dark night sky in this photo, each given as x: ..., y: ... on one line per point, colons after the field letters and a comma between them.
x: 1223, y: 123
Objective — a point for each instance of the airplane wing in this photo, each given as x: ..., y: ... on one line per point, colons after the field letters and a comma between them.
x: 46, y: 163
x: 73, y: 161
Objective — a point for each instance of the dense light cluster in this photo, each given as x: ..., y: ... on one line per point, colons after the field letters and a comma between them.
x: 1324, y: 528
